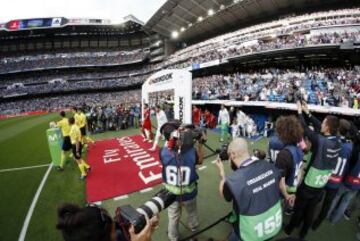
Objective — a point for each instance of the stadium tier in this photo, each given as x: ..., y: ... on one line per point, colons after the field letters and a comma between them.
x: 321, y: 33
x: 211, y: 106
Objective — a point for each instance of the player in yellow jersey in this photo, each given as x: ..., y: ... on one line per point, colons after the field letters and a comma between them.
x: 63, y: 124
x: 75, y: 138
x: 80, y: 121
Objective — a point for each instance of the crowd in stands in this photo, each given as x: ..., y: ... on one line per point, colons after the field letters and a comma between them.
x: 61, y: 60
x: 318, y: 86
x: 68, y: 101
x: 274, y: 43
x: 61, y: 85
x: 290, y: 32
x: 292, y: 25
x: 334, y: 87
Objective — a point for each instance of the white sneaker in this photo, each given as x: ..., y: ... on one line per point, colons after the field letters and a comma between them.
x: 152, y: 149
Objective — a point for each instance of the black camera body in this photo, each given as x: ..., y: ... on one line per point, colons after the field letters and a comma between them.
x: 127, y: 215
x: 223, y: 152
x: 187, y: 135
x: 198, y: 134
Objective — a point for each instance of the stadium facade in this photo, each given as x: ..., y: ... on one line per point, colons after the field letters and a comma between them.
x: 42, y: 60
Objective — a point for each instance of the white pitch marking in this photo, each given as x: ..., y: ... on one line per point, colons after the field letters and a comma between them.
x: 22, y: 168
x: 146, y: 190
x: 202, y: 168
x: 33, y: 204
x: 121, y: 197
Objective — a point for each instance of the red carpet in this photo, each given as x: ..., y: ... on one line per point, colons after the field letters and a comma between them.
x: 121, y: 166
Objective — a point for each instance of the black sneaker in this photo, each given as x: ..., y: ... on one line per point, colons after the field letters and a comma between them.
x: 82, y: 177
x: 88, y: 170
x: 59, y: 169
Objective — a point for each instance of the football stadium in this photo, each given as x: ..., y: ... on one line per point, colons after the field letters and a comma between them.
x: 211, y: 120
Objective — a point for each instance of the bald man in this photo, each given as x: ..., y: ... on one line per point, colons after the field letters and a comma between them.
x: 253, y: 188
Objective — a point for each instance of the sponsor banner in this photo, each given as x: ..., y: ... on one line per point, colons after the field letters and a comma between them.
x: 54, y: 138
x: 56, y: 22
x: 121, y: 166
x: 178, y: 80
x: 24, y: 114
x: 14, y: 25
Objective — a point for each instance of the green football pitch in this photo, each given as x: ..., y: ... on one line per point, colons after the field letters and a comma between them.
x: 23, y: 144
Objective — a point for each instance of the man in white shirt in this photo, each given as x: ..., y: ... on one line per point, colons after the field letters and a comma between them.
x: 224, y: 122
x: 161, y: 120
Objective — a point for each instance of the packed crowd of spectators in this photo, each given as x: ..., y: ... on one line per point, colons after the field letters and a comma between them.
x: 63, y: 86
x: 333, y: 87
x: 61, y: 60
x: 318, y: 86
x: 67, y: 101
x: 274, y: 43
x: 283, y: 27
x: 290, y: 32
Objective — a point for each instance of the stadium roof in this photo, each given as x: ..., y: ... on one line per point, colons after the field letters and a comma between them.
x: 195, y: 20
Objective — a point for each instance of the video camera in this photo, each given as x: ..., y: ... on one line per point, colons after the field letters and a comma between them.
x: 187, y: 134
x: 127, y: 215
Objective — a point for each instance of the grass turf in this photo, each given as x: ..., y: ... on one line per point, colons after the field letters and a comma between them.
x: 23, y: 143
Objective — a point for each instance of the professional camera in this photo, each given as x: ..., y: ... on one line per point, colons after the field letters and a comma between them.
x: 198, y: 134
x: 186, y: 135
x: 259, y: 154
x: 127, y: 215
x: 223, y: 152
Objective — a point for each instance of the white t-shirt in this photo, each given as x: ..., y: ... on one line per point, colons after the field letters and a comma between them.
x: 161, y: 118
x: 224, y: 117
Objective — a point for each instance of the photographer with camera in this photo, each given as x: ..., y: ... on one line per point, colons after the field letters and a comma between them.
x: 93, y: 223
x: 179, y: 159
x: 253, y: 188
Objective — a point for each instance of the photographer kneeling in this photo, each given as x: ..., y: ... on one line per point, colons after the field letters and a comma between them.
x: 253, y: 188
x: 93, y: 223
x: 179, y: 160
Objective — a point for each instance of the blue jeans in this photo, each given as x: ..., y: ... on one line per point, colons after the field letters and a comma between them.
x: 340, y: 204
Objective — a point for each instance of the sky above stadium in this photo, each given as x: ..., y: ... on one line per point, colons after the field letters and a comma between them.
x: 114, y: 10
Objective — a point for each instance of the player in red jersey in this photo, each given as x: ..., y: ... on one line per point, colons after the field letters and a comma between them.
x: 207, y: 117
x: 146, y: 125
x: 196, y: 114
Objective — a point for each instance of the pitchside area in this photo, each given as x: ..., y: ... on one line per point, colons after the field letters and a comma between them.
x: 23, y: 144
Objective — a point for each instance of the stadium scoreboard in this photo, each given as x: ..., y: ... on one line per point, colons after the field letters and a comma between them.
x: 54, y: 22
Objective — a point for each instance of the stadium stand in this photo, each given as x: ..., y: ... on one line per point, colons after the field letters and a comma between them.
x: 336, y: 30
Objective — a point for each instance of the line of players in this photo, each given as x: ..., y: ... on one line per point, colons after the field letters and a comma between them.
x: 206, y: 119
x: 74, y: 139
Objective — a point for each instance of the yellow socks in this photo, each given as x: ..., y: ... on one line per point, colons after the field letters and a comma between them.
x: 82, y: 169
x: 85, y: 164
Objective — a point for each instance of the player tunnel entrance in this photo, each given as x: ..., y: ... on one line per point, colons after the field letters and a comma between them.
x: 178, y: 82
